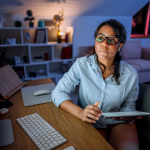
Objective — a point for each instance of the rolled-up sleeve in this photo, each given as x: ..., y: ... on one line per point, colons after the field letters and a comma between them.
x: 66, y: 85
x: 129, y: 103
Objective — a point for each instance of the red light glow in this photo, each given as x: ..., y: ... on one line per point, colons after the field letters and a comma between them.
x: 147, y: 20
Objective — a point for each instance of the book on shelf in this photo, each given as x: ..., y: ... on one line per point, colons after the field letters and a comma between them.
x: 38, y: 58
x: 66, y: 53
x: 40, y: 36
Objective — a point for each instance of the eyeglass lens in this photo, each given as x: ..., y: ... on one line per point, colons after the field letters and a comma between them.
x: 110, y: 40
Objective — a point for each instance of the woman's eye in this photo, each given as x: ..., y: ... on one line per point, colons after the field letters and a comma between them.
x: 112, y: 40
x: 98, y: 39
x: 101, y: 38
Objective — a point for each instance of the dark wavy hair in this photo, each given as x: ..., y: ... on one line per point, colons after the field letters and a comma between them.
x: 120, y: 32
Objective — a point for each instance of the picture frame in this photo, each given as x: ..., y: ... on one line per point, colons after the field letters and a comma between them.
x: 52, y: 30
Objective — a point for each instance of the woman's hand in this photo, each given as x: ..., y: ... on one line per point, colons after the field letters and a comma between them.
x: 91, y: 113
x: 127, y: 119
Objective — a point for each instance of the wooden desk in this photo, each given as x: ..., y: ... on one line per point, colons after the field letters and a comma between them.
x: 81, y: 135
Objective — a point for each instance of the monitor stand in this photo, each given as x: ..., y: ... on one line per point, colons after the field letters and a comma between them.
x: 6, y: 132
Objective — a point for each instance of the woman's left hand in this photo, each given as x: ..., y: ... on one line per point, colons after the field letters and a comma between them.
x: 127, y: 119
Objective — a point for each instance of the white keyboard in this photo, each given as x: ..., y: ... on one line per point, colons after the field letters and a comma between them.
x: 43, y: 135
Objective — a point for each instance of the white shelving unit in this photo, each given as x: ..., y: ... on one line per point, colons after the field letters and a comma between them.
x: 51, y: 68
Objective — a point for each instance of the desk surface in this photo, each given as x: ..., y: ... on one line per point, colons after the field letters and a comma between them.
x: 81, y: 135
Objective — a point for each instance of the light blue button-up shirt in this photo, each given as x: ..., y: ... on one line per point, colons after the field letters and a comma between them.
x: 86, y: 73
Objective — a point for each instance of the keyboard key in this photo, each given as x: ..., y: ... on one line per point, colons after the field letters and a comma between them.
x: 55, y: 143
x: 40, y: 145
x: 48, y: 148
x: 64, y: 140
x: 43, y: 142
x: 37, y: 142
x: 42, y: 148
x: 59, y: 141
x: 46, y: 139
x: 48, y: 142
x: 51, y: 145
x: 49, y: 137
x: 45, y: 145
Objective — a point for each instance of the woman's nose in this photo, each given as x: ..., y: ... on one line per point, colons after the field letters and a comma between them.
x: 105, y: 43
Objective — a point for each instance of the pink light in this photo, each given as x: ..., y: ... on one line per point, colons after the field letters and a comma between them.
x: 147, y: 20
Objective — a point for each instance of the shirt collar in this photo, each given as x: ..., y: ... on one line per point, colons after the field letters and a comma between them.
x: 92, y: 59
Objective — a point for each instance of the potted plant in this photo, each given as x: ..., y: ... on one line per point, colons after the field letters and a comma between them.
x: 58, y: 21
x: 29, y: 18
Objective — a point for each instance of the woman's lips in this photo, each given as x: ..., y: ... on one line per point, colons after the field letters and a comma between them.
x: 104, y: 51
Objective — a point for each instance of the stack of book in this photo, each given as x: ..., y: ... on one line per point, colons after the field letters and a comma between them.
x: 40, y: 36
x: 66, y: 53
x: 38, y: 58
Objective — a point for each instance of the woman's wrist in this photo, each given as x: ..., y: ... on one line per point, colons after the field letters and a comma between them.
x: 80, y: 114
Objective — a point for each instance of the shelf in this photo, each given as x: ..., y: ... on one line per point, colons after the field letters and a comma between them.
x: 35, y: 78
x: 26, y: 51
x: 44, y: 62
x: 23, y: 28
x: 33, y: 28
x: 39, y: 63
x: 61, y: 60
x: 23, y: 64
x: 36, y: 44
x: 55, y: 43
x: 12, y: 45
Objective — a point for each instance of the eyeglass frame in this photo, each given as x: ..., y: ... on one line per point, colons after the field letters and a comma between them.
x: 108, y: 39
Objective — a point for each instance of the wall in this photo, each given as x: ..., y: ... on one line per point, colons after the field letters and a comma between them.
x: 84, y: 28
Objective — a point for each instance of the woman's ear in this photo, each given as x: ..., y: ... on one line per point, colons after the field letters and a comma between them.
x: 121, y: 44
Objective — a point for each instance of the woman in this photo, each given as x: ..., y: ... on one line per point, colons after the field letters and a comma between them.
x: 106, y: 84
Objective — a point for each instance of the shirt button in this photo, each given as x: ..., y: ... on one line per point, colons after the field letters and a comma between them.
x: 101, y: 94
x: 103, y: 83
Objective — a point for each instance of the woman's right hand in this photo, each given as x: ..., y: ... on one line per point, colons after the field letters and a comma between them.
x: 91, y: 113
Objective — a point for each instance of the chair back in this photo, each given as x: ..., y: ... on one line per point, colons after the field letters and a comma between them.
x: 143, y: 125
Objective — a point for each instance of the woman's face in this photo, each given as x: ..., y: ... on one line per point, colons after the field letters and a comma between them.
x: 104, y: 50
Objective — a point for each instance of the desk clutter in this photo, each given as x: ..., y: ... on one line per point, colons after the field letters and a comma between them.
x: 29, y: 99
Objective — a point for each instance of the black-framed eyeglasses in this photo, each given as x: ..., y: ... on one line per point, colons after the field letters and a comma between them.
x: 111, y: 40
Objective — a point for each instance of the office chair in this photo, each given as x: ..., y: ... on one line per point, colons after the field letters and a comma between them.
x: 143, y: 125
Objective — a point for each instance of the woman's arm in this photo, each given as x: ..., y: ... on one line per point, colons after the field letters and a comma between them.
x: 66, y: 85
x: 129, y: 103
x: 89, y: 114
x: 70, y: 107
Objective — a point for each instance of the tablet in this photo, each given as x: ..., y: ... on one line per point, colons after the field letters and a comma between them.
x: 125, y: 114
